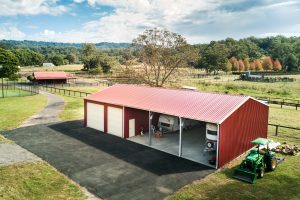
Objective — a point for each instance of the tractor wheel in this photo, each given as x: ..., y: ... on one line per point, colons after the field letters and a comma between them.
x: 260, y: 172
x: 271, y: 164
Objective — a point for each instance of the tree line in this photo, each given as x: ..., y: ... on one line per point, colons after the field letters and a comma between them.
x: 271, y: 53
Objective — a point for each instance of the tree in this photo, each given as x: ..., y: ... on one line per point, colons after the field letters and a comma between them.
x: 241, y: 66
x: 8, y: 66
x: 214, y: 58
x: 89, y: 56
x: 267, y: 63
x: 57, y: 60
x: 228, y: 66
x: 235, y: 64
x: 258, y: 65
x: 71, y: 58
x: 27, y: 57
x: 246, y: 64
x: 292, y: 63
x: 161, y: 54
x: 276, y: 65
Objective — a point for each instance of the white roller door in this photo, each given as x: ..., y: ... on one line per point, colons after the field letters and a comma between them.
x: 95, y: 116
x: 115, y: 121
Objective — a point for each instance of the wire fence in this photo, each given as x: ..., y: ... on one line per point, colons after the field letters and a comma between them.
x: 17, y: 88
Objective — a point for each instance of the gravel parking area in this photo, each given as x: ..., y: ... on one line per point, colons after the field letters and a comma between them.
x: 13, y: 154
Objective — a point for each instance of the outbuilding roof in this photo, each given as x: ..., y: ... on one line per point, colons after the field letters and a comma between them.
x: 50, y: 75
x: 203, y: 106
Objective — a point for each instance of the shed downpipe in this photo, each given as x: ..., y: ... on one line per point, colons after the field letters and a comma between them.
x: 150, y: 135
x: 180, y: 137
x: 217, y: 157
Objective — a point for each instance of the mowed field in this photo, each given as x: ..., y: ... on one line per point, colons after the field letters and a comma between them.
x: 66, y: 68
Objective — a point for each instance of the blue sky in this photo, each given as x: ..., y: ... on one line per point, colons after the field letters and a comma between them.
x: 122, y: 20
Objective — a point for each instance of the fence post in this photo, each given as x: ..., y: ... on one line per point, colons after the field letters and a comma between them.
x: 276, y: 131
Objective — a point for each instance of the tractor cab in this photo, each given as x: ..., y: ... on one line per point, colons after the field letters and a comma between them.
x: 255, y: 163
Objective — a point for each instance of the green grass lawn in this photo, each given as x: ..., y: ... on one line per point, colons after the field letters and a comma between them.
x: 66, y: 68
x: 15, y: 93
x: 229, y: 85
x: 36, y: 181
x: 14, y: 110
x: 73, y: 109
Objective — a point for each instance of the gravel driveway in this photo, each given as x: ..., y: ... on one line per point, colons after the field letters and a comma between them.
x: 50, y: 113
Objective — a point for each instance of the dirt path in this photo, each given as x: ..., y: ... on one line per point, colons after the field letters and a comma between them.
x: 50, y: 113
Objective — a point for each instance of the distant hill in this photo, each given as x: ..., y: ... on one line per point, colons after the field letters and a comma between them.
x: 28, y: 43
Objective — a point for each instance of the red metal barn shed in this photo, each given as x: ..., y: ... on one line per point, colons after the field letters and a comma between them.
x: 209, y: 128
x: 51, y: 77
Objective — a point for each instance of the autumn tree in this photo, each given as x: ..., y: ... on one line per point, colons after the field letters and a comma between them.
x: 252, y: 66
x: 161, y: 54
x: 258, y: 65
x: 267, y: 63
x: 235, y: 64
x: 241, y: 66
x: 277, y: 65
x: 246, y: 64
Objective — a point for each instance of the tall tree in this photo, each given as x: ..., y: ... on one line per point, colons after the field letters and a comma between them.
x: 267, y: 63
x: 161, y: 54
x: 292, y: 62
x: 57, y: 60
x: 88, y: 55
x: 71, y: 58
x: 277, y: 65
x: 8, y: 66
x: 241, y: 66
x: 214, y: 58
x: 235, y: 64
x: 252, y: 66
x: 246, y: 64
x: 258, y: 65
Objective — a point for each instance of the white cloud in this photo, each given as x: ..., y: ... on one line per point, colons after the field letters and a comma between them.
x: 30, y: 7
x: 202, y: 21
x: 10, y: 32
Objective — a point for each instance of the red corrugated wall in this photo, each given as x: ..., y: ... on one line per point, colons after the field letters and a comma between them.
x: 141, y: 120
x: 244, y: 125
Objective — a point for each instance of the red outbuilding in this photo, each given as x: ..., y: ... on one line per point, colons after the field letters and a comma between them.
x: 208, y: 128
x: 51, y: 77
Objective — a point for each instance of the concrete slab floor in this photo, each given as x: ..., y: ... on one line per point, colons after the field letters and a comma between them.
x: 193, y: 144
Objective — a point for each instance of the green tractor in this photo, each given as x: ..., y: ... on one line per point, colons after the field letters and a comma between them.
x: 256, y: 163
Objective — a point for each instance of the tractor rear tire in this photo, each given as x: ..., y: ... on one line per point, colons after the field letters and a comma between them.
x: 271, y: 164
x: 260, y: 172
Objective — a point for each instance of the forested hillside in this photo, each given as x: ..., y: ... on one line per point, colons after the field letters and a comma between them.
x: 271, y: 53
